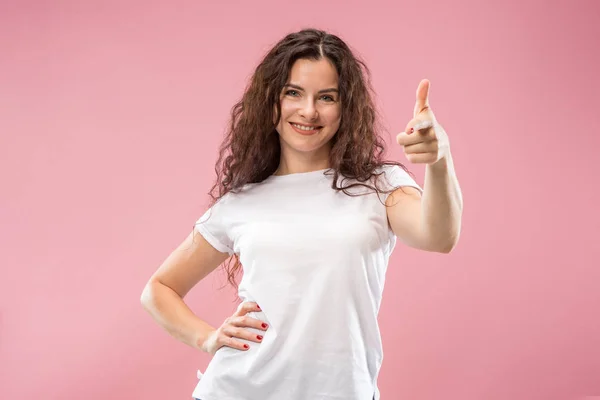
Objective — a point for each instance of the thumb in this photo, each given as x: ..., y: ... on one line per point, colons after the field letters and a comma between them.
x: 246, y: 307
x: 422, y: 97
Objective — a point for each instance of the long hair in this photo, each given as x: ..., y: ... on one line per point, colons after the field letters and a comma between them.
x: 251, y: 150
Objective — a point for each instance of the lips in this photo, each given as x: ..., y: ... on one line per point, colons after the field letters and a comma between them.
x: 306, y: 125
x: 316, y: 128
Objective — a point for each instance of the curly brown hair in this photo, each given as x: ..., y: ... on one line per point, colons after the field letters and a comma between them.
x: 251, y: 150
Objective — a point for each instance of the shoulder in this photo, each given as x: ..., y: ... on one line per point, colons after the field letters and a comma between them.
x: 239, y: 196
x: 390, y: 170
x: 393, y: 175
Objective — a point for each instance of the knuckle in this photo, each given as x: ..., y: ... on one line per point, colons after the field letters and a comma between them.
x: 246, y: 334
x: 221, y: 340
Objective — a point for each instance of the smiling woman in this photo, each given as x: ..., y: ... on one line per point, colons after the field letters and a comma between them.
x: 306, y: 205
x: 310, y: 115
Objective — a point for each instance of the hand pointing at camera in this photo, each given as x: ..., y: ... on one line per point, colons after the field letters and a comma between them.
x: 424, y: 140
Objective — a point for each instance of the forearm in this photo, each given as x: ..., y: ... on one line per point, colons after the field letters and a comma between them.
x: 441, y: 205
x: 170, y: 311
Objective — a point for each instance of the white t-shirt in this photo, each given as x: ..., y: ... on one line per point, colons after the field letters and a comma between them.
x: 315, y: 261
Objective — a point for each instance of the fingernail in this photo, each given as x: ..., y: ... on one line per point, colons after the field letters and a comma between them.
x: 264, y: 325
x: 257, y: 306
x: 259, y: 337
x: 246, y: 346
x: 411, y: 130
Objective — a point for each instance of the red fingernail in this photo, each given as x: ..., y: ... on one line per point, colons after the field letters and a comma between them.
x: 259, y: 337
x: 264, y: 325
x: 257, y: 306
x: 246, y: 346
x: 411, y: 130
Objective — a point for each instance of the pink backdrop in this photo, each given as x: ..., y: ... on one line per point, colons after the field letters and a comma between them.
x: 110, y: 115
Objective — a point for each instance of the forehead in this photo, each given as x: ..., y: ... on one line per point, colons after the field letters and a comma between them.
x: 314, y: 73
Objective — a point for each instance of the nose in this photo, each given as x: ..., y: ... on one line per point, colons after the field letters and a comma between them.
x: 308, y: 111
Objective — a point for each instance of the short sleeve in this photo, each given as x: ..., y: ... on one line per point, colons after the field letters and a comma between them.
x: 396, y: 177
x: 215, y: 226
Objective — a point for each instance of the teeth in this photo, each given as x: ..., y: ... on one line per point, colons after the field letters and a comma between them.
x: 305, y: 128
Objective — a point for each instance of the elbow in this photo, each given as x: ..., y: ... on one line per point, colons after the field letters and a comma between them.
x: 147, y: 297
x: 447, y: 249
x: 450, y: 239
x: 450, y: 244
x: 447, y: 245
x: 441, y: 238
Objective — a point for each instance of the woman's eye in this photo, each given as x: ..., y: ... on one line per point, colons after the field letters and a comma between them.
x: 295, y: 93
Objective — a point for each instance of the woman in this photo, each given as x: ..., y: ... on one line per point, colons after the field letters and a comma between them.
x: 307, y: 207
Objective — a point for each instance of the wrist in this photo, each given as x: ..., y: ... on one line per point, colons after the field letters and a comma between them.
x: 201, y: 339
x: 442, y: 165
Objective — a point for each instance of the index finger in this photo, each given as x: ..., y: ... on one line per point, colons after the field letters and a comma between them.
x: 419, y: 125
x: 405, y: 139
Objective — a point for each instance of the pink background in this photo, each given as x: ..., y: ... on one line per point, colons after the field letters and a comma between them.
x: 110, y: 116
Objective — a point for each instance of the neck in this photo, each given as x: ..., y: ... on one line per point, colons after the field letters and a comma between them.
x: 299, y: 163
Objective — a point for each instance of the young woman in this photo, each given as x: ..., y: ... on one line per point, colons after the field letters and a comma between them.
x: 308, y: 208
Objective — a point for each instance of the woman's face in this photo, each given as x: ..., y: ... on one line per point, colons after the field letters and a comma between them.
x: 310, y: 107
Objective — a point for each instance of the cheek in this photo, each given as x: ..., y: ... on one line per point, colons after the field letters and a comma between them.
x: 333, y: 117
x: 286, y: 112
x: 286, y: 109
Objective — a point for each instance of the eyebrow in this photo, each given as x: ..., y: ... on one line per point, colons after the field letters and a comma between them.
x: 320, y: 91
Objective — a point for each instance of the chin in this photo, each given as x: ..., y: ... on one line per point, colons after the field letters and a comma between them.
x: 305, y: 144
x: 302, y: 147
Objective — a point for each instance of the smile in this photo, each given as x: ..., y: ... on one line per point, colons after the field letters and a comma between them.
x: 306, y: 130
